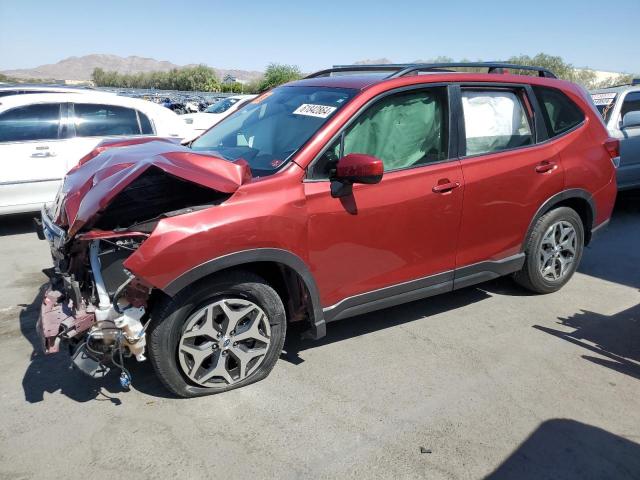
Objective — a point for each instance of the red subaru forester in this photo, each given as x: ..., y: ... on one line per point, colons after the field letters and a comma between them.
x: 354, y: 189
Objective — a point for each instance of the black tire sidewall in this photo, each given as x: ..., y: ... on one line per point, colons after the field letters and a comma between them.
x: 168, y: 323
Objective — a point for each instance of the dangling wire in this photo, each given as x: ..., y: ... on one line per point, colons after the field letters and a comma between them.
x: 125, y: 375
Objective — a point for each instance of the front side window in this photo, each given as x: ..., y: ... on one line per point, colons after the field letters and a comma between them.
x: 33, y: 122
x: 560, y: 114
x: 95, y: 120
x: 403, y: 130
x: 270, y: 129
x: 495, y: 120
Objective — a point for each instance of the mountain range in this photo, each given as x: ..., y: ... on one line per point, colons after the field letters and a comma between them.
x: 80, y: 68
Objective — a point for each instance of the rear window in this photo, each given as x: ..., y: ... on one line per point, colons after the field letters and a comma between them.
x: 560, y: 114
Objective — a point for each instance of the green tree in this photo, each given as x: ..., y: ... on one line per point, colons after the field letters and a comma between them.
x: 564, y: 70
x: 200, y: 78
x: 277, y: 74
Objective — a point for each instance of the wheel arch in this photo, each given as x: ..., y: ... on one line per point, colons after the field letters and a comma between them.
x: 577, y: 199
x: 287, y: 273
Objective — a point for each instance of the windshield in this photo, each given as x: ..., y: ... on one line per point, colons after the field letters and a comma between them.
x: 222, y: 105
x: 270, y: 129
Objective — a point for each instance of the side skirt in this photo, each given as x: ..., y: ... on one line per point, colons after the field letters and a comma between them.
x: 423, y: 287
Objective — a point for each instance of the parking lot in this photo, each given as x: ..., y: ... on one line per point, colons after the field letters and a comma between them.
x: 489, y: 381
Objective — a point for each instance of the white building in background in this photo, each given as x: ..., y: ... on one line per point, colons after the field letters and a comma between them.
x: 602, y: 75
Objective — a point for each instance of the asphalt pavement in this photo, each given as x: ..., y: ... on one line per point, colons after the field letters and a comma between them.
x: 486, y: 382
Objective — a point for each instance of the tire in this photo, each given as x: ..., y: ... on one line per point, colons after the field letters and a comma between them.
x: 539, y: 250
x: 179, y: 351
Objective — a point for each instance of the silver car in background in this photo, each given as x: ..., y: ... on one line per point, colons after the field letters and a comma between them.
x: 620, y: 110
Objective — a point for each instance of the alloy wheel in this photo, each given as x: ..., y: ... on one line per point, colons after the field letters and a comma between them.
x: 224, y: 342
x: 557, y: 251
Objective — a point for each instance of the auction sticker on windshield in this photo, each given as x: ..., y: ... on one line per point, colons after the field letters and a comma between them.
x: 311, y: 110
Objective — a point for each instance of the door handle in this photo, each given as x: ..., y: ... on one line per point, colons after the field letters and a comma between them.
x: 42, y: 154
x: 546, y: 166
x: 445, y: 187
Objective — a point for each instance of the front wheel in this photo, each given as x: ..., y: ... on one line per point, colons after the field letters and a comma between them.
x: 217, y: 335
x: 553, y: 251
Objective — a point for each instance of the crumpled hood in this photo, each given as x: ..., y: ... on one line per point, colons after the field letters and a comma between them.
x: 112, y: 166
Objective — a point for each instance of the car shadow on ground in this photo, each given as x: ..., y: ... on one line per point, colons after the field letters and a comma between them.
x: 567, y: 449
x: 615, y: 254
x: 615, y: 257
x: 17, y: 224
x: 615, y: 337
x: 53, y: 373
x: 380, y: 320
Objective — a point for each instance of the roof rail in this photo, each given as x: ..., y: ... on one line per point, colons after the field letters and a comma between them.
x: 387, y: 67
x: 402, y: 69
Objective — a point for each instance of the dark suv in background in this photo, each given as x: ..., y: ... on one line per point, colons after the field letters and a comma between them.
x: 354, y: 189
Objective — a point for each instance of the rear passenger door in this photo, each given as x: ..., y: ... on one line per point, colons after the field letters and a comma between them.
x: 507, y: 176
x: 32, y: 152
x: 629, y: 171
x: 94, y: 122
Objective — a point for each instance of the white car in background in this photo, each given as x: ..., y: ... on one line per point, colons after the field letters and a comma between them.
x: 43, y: 135
x: 203, y: 121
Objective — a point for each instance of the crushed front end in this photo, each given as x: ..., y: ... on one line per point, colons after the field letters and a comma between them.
x: 106, y: 209
x: 92, y: 305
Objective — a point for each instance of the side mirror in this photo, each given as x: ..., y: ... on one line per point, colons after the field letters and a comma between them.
x: 355, y: 168
x: 631, y: 119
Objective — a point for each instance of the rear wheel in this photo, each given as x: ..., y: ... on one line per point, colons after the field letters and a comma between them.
x: 217, y: 335
x: 553, y: 251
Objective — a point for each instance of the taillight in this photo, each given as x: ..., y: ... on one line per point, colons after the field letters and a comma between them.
x: 612, y: 145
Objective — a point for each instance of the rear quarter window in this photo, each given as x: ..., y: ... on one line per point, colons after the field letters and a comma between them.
x: 145, y: 124
x: 559, y: 113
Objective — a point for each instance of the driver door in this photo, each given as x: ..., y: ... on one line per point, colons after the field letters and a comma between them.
x: 398, y: 236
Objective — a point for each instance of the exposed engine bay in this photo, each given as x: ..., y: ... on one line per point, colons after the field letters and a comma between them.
x: 95, y: 308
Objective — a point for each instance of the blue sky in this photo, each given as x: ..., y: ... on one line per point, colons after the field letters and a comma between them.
x: 249, y: 35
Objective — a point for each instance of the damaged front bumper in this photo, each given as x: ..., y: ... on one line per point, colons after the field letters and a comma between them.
x: 98, y: 328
